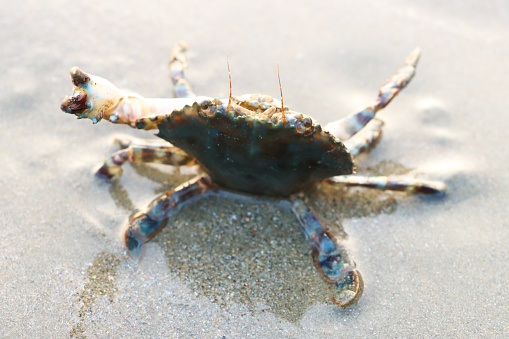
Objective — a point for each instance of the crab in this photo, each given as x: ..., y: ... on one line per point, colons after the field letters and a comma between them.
x: 252, y: 144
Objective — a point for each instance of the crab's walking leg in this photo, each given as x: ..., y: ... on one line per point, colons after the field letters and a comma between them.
x: 124, y: 141
x: 329, y: 256
x: 345, y: 128
x: 391, y: 183
x: 178, y: 64
x: 141, y: 151
x: 365, y: 139
x: 145, y: 225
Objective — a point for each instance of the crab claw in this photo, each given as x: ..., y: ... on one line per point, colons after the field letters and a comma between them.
x: 93, y: 97
x: 77, y: 103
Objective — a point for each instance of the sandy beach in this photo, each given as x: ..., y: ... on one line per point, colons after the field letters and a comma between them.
x: 228, y: 267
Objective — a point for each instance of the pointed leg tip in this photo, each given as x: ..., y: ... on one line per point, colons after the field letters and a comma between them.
x: 140, y: 229
x: 349, y: 289
x: 414, y: 56
x: 440, y: 192
x: 178, y: 51
x: 122, y: 141
x: 348, y: 284
x: 107, y: 173
x: 441, y: 189
x: 183, y: 45
x: 438, y: 189
x: 134, y: 244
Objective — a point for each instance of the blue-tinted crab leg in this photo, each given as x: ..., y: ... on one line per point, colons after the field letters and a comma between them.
x: 347, y: 127
x: 365, y: 139
x: 145, y: 225
x: 178, y: 64
x: 329, y: 256
x: 391, y: 183
x: 140, y: 151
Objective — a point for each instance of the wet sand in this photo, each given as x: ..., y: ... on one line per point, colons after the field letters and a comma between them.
x: 232, y: 267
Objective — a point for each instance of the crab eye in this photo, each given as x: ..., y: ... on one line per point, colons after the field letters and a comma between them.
x: 208, y: 108
x: 304, y: 126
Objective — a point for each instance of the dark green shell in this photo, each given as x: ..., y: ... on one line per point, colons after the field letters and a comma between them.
x: 257, y: 156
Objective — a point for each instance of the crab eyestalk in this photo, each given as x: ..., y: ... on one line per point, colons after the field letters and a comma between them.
x: 93, y: 97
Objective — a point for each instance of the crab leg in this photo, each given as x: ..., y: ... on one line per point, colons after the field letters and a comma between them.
x: 347, y: 127
x: 178, y: 64
x: 141, y: 151
x: 145, y: 225
x: 123, y: 141
x: 329, y: 256
x: 365, y: 139
x: 391, y: 183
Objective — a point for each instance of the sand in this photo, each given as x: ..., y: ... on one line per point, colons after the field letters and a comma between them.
x: 230, y: 267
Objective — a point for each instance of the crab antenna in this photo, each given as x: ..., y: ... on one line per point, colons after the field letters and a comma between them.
x: 229, y: 76
x: 285, y: 121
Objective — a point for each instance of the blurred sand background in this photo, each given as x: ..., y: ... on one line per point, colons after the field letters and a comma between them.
x: 232, y: 267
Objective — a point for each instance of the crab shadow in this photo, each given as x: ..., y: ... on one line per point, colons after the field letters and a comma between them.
x: 237, y: 250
